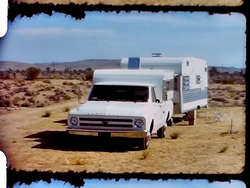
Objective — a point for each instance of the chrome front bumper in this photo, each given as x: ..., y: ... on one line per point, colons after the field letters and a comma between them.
x: 124, y: 134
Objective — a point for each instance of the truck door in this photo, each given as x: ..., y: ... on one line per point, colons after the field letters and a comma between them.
x: 159, y: 113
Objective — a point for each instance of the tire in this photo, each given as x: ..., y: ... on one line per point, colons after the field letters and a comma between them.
x: 161, y: 132
x: 144, y: 143
x: 170, y: 122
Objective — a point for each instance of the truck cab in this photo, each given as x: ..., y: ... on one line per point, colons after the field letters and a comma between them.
x: 131, y: 108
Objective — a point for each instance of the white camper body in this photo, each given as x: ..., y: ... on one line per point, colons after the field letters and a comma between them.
x: 190, y: 78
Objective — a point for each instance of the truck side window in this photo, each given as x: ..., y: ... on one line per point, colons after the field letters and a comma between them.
x: 153, y: 94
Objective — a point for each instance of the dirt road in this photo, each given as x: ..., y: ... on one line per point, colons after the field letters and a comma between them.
x: 32, y: 142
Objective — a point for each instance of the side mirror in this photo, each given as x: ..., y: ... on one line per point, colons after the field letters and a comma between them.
x: 157, y: 101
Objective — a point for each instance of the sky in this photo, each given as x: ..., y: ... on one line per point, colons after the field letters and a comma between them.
x: 133, y: 183
x: 219, y: 38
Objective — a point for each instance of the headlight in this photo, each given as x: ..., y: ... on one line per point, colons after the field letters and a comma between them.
x: 138, y: 123
x: 74, y: 121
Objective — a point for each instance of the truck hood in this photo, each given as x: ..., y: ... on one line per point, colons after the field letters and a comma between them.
x: 112, y: 108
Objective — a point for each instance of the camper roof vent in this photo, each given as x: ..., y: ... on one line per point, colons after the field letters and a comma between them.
x: 156, y: 54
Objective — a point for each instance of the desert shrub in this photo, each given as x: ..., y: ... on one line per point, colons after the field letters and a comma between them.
x: 47, y: 81
x: 175, y: 135
x: 65, y: 83
x: 232, y: 95
x: 222, y: 150
x: 54, y: 97
x: 5, y: 102
x: 242, y: 94
x: 66, y: 109
x: 224, y: 81
x: 220, y: 99
x: 31, y: 99
x: 145, y: 154
x: 40, y: 105
x: 75, y: 161
x: 66, y: 97
x: 89, y: 74
x: 16, y: 100
x: 236, y: 97
x: 70, y: 83
x: 29, y: 93
x: 26, y: 104
x: 32, y: 73
x: 47, y: 114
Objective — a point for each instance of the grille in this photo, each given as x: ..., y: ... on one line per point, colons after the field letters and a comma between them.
x: 105, y: 123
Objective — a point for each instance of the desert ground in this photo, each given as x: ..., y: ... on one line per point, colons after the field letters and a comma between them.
x: 33, y: 141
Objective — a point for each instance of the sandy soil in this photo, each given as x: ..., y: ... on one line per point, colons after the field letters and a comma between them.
x: 32, y: 142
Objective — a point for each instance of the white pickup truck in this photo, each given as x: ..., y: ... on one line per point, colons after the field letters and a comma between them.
x: 126, y: 103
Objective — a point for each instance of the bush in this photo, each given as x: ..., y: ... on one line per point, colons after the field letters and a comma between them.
x: 29, y: 93
x: 89, y: 74
x: 47, y: 114
x: 65, y: 83
x: 5, y: 103
x: 145, y: 154
x: 32, y: 73
x: 47, y: 81
x: 222, y: 150
x: 232, y: 95
x: 175, y: 135
x: 16, y: 100
x: 66, y: 97
x: 220, y: 99
x: 75, y: 161
x: 66, y: 109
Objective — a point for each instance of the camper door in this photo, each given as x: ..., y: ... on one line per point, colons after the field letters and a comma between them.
x: 168, y: 86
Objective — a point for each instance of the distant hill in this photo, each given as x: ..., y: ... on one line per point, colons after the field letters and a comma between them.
x: 83, y: 64
x: 226, y: 69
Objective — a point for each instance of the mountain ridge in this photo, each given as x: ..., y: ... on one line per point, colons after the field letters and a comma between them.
x: 83, y: 64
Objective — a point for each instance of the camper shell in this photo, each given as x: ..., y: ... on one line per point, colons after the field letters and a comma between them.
x: 189, y: 83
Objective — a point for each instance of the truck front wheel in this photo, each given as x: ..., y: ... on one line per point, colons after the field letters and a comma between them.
x: 144, y: 143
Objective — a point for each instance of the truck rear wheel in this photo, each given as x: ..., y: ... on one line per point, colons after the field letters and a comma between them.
x: 161, y: 132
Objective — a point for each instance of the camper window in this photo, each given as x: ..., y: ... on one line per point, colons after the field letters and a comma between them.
x: 185, y: 82
x: 198, y: 79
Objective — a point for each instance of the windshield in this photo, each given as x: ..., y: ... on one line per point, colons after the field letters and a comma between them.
x: 119, y: 93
